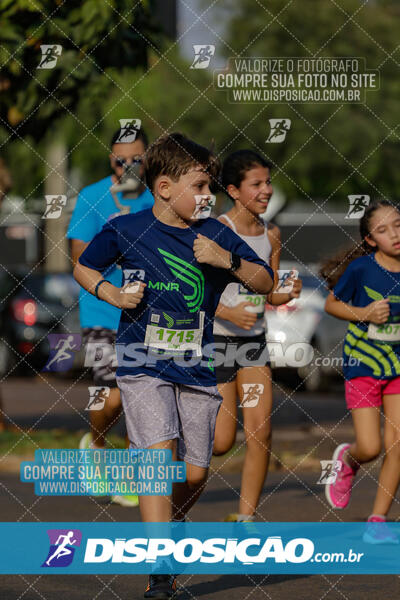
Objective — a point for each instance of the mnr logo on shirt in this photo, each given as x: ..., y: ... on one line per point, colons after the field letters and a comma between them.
x: 161, y: 286
x: 189, y: 275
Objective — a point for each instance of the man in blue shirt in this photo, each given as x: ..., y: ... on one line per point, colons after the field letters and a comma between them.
x: 96, y: 206
x: 168, y: 390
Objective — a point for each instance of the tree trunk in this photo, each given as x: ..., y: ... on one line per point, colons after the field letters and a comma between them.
x: 55, y: 243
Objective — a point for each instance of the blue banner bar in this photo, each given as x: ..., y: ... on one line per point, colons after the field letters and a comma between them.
x: 248, y: 548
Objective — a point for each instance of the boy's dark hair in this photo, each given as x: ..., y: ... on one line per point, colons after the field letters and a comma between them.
x: 174, y: 155
x: 141, y: 136
x: 333, y: 268
x: 236, y: 165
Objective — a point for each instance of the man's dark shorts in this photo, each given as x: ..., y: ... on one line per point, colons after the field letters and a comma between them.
x: 103, y: 340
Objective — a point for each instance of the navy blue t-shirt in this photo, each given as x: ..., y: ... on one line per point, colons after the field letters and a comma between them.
x: 371, y: 350
x: 180, y: 298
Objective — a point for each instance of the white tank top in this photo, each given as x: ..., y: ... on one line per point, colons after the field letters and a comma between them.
x: 235, y: 293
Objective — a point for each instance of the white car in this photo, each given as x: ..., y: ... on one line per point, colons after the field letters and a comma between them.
x: 302, y: 337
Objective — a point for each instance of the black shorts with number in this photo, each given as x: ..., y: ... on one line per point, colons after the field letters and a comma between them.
x: 104, y: 341
x: 238, y: 357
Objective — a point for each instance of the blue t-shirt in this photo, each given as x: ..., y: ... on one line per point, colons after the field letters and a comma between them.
x: 181, y: 295
x: 371, y: 350
x: 95, y: 206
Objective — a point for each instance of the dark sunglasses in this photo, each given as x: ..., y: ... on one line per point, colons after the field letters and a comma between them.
x: 121, y: 162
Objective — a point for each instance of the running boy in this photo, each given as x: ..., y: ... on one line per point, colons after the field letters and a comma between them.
x: 185, y: 265
x: 365, y: 284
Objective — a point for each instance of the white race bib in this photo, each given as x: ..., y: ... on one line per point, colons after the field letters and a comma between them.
x: 175, y: 333
x: 387, y: 332
x: 258, y: 301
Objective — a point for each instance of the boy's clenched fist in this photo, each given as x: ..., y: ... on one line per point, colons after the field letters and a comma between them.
x: 209, y: 252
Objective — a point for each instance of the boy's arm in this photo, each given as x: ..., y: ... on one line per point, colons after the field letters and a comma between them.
x: 253, y: 275
x: 376, y: 312
x: 101, y: 254
x: 89, y: 278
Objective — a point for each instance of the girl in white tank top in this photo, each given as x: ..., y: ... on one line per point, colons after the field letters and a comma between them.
x: 235, y: 293
x: 240, y: 321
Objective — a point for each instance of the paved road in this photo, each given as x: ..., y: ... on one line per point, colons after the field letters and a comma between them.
x: 47, y: 402
x: 288, y: 496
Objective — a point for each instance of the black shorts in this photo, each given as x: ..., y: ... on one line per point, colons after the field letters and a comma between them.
x: 237, y: 357
x: 103, y: 340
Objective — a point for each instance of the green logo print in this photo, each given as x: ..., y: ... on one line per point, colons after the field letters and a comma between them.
x: 160, y: 285
x: 189, y: 275
x: 378, y: 296
x: 169, y: 320
x: 373, y: 294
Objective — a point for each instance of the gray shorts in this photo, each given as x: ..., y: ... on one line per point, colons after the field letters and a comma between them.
x: 158, y: 410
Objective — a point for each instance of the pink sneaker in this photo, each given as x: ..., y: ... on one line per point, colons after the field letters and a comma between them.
x: 338, y: 493
x: 377, y: 531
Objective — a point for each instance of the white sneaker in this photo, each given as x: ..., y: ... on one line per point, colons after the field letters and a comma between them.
x: 85, y: 442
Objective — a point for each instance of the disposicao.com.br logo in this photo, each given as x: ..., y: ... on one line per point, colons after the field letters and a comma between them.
x: 191, y: 550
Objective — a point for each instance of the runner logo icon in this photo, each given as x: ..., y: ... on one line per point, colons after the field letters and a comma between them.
x: 97, y: 397
x: 62, y: 348
x: 357, y: 206
x: 54, y: 206
x: 128, y: 130
x: 63, y: 543
x: 50, y: 55
x: 131, y: 275
x: 202, y: 56
x: 251, y: 394
x: 329, y: 471
x: 279, y: 129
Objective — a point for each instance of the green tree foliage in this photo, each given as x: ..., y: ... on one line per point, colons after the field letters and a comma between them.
x: 37, y: 104
x: 166, y: 97
x: 94, y: 36
x: 331, y: 150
